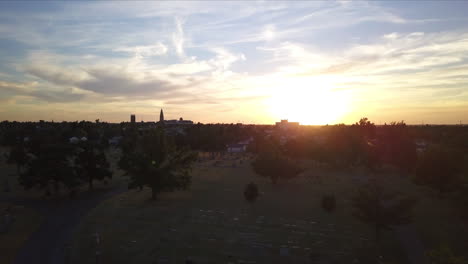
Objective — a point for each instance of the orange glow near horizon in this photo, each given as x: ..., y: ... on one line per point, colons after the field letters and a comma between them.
x: 318, y: 105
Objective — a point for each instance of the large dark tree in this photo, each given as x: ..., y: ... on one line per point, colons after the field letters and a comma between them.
x: 251, y: 192
x: 276, y: 167
x: 51, y: 165
x: 329, y: 203
x: 91, y: 164
x: 18, y: 156
x: 158, y: 164
x: 381, y: 209
x: 438, y: 168
x: 396, y: 146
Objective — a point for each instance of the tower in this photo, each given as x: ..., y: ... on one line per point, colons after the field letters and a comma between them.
x: 132, y: 118
x: 161, y: 116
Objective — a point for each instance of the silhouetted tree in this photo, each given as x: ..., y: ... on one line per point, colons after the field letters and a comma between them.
x: 438, y: 168
x: 276, y: 167
x: 396, y: 146
x: 18, y: 156
x: 328, y: 203
x: 382, y: 209
x: 156, y: 163
x: 91, y: 164
x: 50, y: 165
x: 367, y: 128
x: 251, y: 192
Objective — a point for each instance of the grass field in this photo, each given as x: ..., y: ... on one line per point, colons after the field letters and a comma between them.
x: 25, y: 222
x: 212, y: 223
x: 437, y: 219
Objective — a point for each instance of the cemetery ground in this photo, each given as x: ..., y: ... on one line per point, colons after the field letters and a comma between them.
x: 212, y: 222
x: 40, y: 225
x: 24, y: 221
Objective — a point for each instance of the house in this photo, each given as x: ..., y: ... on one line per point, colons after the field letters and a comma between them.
x: 286, y: 125
x: 236, y: 148
x: 239, y: 147
x: 114, y: 141
x: 74, y: 140
x: 421, y: 145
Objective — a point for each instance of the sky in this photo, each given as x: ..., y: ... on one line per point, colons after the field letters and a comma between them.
x: 251, y: 62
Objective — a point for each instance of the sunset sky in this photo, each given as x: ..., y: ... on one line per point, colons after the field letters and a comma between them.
x: 251, y: 62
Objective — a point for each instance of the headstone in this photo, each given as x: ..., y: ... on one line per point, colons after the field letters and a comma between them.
x: 314, y: 257
x: 6, y: 186
x: 7, y: 219
x: 284, y: 251
x: 3, y: 228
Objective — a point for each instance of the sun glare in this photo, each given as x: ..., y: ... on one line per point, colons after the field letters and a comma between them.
x: 313, y: 105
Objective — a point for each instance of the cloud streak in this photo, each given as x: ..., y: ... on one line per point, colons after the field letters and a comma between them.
x: 195, y: 56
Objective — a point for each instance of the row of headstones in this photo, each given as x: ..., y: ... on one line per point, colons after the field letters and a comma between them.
x: 6, y: 186
x: 218, y: 218
x: 256, y: 252
x: 6, y: 221
x: 297, y: 229
x: 260, y: 223
x: 245, y: 230
x: 248, y: 240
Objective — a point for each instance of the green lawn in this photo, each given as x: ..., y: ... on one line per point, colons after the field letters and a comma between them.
x: 212, y: 223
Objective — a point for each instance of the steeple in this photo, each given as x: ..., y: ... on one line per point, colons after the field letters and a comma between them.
x: 161, y: 116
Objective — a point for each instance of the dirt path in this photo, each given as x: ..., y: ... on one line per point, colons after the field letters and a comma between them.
x: 48, y: 245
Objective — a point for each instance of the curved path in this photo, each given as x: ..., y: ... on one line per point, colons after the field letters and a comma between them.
x: 48, y: 244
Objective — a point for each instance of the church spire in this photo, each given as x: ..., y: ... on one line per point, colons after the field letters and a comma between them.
x: 161, y: 116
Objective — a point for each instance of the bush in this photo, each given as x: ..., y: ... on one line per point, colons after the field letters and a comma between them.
x: 329, y: 203
x: 251, y: 192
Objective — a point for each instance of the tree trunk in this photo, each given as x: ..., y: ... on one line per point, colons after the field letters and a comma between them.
x: 56, y: 187
x: 377, y: 234
x: 377, y: 246
x: 90, y: 183
x: 274, y: 180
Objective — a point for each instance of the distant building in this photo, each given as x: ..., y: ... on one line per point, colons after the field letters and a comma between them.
x: 236, y: 148
x: 114, y: 141
x: 421, y: 145
x: 284, y: 124
x: 181, y: 121
x: 240, y: 146
x: 74, y: 140
x: 178, y: 122
x: 132, y: 118
x: 161, y: 116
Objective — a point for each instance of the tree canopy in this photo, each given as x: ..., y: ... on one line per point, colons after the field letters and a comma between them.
x: 157, y: 163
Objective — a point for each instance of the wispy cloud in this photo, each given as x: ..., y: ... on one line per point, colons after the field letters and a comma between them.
x: 178, y: 37
x: 196, y: 56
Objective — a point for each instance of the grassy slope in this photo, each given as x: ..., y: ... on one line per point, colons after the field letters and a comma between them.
x: 212, y: 221
x: 436, y: 218
x: 26, y: 222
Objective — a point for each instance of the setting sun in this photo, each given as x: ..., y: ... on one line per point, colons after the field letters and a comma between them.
x: 308, y: 104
